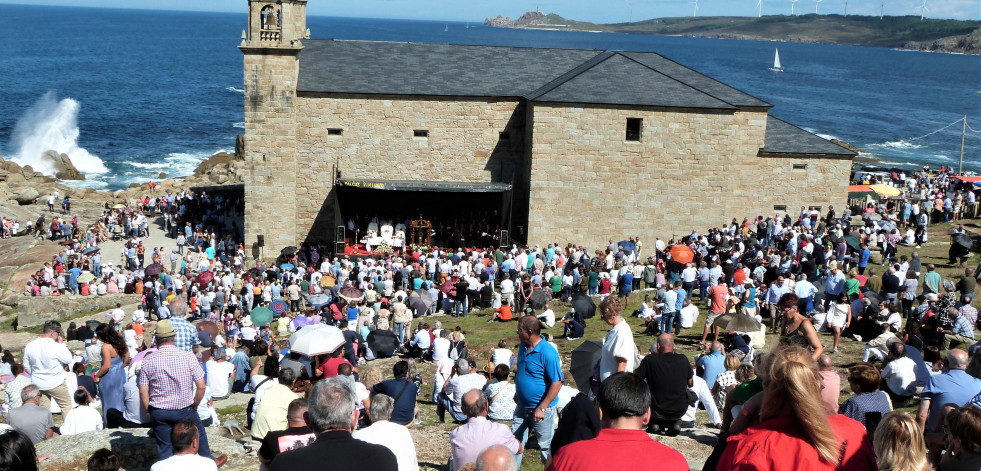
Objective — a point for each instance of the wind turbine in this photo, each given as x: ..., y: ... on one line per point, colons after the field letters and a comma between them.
x: 816, y: 3
x: 882, y: 6
x: 923, y: 10
x: 631, y: 5
x: 792, y: 3
x: 846, y: 7
x: 759, y: 8
x: 695, y: 11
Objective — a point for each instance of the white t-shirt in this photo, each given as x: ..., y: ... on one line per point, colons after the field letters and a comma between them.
x: 82, y: 419
x: 441, y: 348
x: 705, y: 397
x: 900, y: 376
x: 248, y: 333
x: 218, y: 373
x: 184, y: 463
x: 254, y: 383
x: 396, y: 438
x: 361, y: 392
x: 548, y: 317
x: 619, y: 342
x: 689, y: 314
x: 502, y: 356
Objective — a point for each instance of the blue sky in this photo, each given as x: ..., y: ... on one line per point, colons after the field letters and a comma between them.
x: 584, y: 10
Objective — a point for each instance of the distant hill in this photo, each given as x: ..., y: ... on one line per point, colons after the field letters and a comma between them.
x: 891, y: 31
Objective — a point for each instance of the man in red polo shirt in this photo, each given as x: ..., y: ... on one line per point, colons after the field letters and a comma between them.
x: 624, y: 408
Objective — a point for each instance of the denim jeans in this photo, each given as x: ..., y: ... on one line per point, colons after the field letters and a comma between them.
x: 667, y: 322
x: 444, y: 404
x: 460, y: 306
x: 703, y: 289
x: 593, y: 290
x: 163, y: 422
x: 398, y: 328
x: 524, y: 419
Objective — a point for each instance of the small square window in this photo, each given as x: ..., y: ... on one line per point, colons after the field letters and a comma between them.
x: 420, y: 133
x: 335, y: 131
x: 779, y: 207
x: 800, y: 166
x: 504, y: 136
x: 633, y: 128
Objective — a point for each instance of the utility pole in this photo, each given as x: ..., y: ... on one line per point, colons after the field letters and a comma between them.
x: 960, y: 169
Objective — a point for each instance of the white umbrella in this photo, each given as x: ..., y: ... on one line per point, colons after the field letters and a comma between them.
x: 316, y: 339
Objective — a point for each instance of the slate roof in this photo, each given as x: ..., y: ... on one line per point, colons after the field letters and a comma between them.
x: 536, y: 74
x: 785, y: 138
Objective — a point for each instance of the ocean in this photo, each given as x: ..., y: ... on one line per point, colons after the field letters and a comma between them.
x: 130, y: 94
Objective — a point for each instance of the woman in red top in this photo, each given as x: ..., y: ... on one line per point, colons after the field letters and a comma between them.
x: 796, y: 430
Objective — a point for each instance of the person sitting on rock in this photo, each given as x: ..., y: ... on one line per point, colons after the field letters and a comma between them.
x: 184, y: 438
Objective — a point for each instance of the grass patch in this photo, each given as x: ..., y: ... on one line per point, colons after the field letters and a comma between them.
x: 231, y: 410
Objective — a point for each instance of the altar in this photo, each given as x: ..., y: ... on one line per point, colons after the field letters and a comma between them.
x: 385, y: 233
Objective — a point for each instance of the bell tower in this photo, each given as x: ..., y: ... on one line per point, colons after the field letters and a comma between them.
x: 271, y: 46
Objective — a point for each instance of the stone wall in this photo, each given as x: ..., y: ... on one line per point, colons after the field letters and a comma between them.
x: 376, y: 141
x: 690, y: 170
x: 270, y: 148
x: 823, y: 182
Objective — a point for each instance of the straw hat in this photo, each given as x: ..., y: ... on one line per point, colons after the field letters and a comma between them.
x: 165, y: 329
x: 246, y: 322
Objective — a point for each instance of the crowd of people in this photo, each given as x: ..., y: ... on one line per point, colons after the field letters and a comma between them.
x: 195, y: 339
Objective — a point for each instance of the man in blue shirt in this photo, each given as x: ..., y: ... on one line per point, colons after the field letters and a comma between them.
x: 834, y: 284
x: 669, y: 310
x: 710, y: 366
x: 626, y: 284
x: 678, y: 305
x: 773, y: 294
x: 955, y: 386
x: 863, y: 259
x: 73, y: 274
x: 704, y: 280
x: 537, y: 381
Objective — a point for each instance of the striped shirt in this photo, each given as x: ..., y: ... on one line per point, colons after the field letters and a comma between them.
x: 170, y: 374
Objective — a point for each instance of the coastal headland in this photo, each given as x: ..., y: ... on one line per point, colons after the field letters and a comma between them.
x: 903, y: 32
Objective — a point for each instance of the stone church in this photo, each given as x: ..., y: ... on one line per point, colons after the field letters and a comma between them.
x: 564, y: 145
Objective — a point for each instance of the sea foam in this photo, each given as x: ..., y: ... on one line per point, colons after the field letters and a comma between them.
x: 51, y: 124
x: 900, y: 144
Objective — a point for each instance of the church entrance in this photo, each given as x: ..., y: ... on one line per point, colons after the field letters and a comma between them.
x: 401, y: 214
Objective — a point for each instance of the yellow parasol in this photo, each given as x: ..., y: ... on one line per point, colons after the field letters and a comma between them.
x: 885, y: 190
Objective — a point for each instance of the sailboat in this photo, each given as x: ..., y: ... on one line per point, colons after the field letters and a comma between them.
x: 447, y: 28
x: 776, y: 61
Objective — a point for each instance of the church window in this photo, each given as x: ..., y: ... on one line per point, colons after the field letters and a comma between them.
x: 335, y: 131
x: 420, y: 133
x: 633, y: 128
x: 800, y: 166
x: 779, y: 207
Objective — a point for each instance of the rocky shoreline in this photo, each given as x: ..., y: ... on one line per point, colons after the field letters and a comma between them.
x: 24, y: 186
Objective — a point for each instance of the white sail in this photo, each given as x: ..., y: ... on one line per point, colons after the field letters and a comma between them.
x: 776, y: 62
